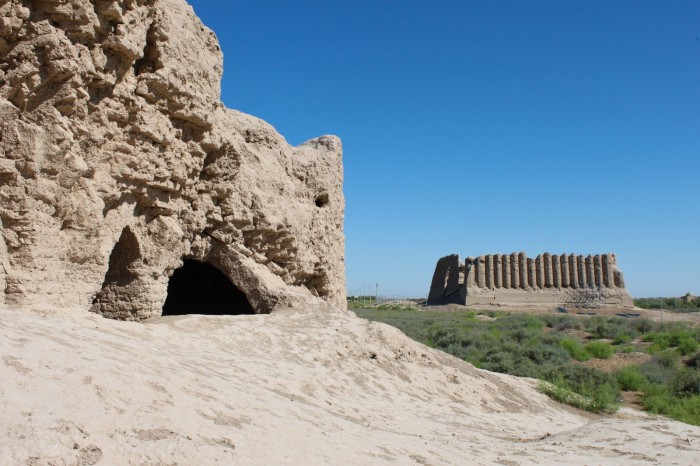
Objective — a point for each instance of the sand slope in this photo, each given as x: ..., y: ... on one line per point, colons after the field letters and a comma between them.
x: 287, y: 388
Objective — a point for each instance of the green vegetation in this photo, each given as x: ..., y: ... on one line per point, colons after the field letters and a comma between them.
x: 598, y: 399
x: 630, y: 378
x: 370, y: 302
x: 668, y: 386
x: 675, y: 335
x: 395, y: 307
x: 360, y: 302
x: 669, y: 304
x: 599, y: 349
x: 575, y: 349
x: 555, y: 349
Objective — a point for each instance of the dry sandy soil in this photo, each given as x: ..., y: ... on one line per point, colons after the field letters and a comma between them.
x: 294, y: 387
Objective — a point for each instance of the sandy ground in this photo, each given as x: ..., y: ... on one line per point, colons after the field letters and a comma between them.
x: 289, y: 388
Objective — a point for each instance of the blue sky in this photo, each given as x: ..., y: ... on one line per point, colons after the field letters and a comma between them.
x: 479, y: 127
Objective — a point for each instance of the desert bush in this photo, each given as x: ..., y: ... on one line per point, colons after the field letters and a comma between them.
x: 685, y: 382
x: 668, y: 358
x: 643, y: 325
x: 551, y: 338
x: 441, y: 336
x: 677, y: 335
x: 559, y: 391
x: 661, y: 401
x: 560, y: 323
x: 622, y: 339
x: 624, y: 348
x: 579, y: 377
x: 575, y: 349
x: 687, y: 346
x: 599, y: 349
x: 684, y: 338
x: 616, y: 327
x: 524, y: 367
x: 547, y: 354
x: 599, y: 390
x: 659, y: 341
x: 517, y: 322
x: 631, y: 378
x: 662, y: 368
x: 500, y: 362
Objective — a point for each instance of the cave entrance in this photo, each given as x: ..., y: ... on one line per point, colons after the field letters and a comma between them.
x: 201, y: 288
x: 123, y: 256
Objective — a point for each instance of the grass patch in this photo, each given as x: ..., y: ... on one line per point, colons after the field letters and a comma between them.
x: 686, y: 409
x: 596, y: 399
x: 630, y: 378
x: 599, y: 349
x: 575, y: 349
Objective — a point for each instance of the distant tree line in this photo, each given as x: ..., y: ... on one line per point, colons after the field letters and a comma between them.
x: 672, y: 304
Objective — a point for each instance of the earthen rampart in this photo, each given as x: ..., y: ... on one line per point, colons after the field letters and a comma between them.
x: 515, y: 279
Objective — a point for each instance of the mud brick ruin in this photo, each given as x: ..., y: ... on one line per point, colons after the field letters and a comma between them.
x: 127, y: 188
x: 515, y: 279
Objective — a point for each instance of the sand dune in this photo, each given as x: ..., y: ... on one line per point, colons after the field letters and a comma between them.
x: 288, y: 388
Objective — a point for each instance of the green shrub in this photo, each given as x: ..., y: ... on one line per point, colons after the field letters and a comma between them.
x: 668, y: 358
x: 515, y: 321
x: 659, y: 341
x: 609, y: 328
x: 676, y: 335
x: 630, y: 378
x: 643, y: 325
x: 662, y: 368
x: 685, y: 382
x: 595, y: 398
x: 560, y: 323
x: 622, y: 339
x: 660, y: 400
x: 624, y: 349
x: 579, y: 376
x: 500, y: 362
x: 650, y: 337
x: 599, y: 349
x: 547, y: 354
x: 687, y: 345
x: 604, y: 398
x: 575, y: 349
x: 599, y: 390
x: 684, y: 338
x: 524, y: 367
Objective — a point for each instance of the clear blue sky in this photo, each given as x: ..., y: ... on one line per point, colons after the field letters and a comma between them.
x: 479, y: 127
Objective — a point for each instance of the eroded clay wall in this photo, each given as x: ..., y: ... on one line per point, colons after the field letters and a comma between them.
x: 515, y: 279
x: 110, y: 122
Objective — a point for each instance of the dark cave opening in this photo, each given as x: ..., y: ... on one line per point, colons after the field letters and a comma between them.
x: 201, y: 288
x: 123, y: 256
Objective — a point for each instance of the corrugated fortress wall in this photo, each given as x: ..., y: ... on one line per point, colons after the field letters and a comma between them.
x: 497, y: 279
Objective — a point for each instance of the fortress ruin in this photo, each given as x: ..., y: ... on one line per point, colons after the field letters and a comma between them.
x: 127, y: 188
x: 567, y: 280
